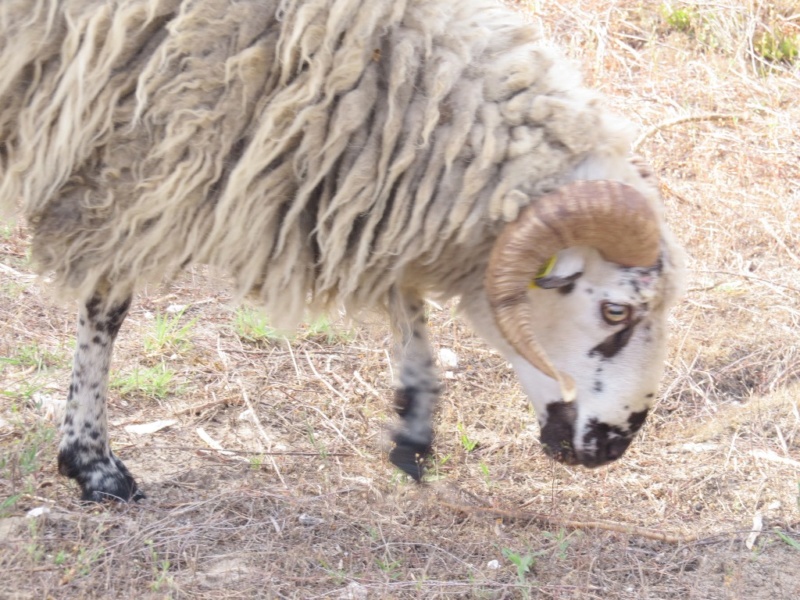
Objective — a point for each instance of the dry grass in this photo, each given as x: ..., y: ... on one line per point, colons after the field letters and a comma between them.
x: 304, y: 503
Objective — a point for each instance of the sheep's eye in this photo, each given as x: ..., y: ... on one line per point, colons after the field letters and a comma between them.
x: 615, y: 314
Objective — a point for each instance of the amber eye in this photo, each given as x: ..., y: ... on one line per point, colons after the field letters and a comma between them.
x: 615, y: 314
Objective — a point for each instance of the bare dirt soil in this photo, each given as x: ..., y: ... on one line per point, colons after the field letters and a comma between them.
x: 268, y: 476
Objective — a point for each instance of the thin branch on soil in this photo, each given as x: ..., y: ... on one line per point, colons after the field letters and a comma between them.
x: 198, y: 408
x: 345, y: 351
x: 294, y: 361
x: 322, y: 379
x: 9, y: 271
x: 684, y: 119
x: 260, y: 429
x: 651, y: 534
x: 768, y: 228
x: 330, y: 424
x: 368, y: 387
x: 215, y: 445
x: 23, y: 332
x: 22, y: 374
x: 249, y: 453
x: 773, y: 457
x: 747, y: 276
x: 226, y: 362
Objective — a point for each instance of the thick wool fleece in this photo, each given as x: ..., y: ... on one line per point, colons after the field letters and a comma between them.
x: 321, y: 151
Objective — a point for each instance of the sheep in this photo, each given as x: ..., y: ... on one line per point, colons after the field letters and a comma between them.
x: 326, y: 153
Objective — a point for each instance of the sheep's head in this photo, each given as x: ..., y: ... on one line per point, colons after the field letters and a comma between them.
x: 577, y: 287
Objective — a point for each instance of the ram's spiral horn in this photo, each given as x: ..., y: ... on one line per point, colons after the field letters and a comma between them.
x: 609, y: 216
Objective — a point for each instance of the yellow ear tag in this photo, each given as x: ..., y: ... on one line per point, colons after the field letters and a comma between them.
x: 544, y: 271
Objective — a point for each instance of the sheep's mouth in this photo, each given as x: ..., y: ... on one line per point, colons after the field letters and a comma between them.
x: 564, y: 453
x: 558, y: 431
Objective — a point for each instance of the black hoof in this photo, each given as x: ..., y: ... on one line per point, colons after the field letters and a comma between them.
x: 409, y: 456
x: 100, y: 479
x: 127, y: 492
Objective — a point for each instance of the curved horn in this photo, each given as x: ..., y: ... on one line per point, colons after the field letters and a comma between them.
x: 609, y: 216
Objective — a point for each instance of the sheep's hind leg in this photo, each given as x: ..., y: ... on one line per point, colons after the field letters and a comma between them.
x: 416, y: 397
x: 84, y: 453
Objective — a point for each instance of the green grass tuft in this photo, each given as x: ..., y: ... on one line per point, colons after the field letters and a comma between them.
x: 152, y: 382
x: 168, y: 335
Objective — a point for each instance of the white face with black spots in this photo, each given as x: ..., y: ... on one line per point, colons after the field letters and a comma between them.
x: 609, y: 335
x: 605, y: 326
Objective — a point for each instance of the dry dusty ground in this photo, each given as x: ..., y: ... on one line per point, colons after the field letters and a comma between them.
x: 304, y: 503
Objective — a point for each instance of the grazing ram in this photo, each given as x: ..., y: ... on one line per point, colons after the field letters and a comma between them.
x: 363, y: 153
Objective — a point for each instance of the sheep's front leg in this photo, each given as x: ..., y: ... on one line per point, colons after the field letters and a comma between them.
x: 419, y: 386
x: 84, y: 453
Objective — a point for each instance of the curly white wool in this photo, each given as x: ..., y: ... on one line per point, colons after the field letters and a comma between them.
x: 321, y: 151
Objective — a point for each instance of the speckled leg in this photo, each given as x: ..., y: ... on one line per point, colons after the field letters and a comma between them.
x: 84, y: 453
x: 419, y: 386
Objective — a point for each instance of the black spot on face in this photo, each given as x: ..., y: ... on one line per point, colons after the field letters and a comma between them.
x: 558, y: 430
x: 613, y: 344
x: 567, y: 289
x: 598, y: 386
x: 609, y: 441
x: 636, y: 420
x: 650, y: 395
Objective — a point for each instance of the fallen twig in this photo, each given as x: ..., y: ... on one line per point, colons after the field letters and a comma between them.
x: 13, y: 272
x: 684, y: 119
x: 651, y: 534
x: 748, y: 276
x: 260, y: 428
x: 215, y: 445
x: 252, y: 453
x: 323, y: 380
x: 776, y: 458
x: 198, y: 408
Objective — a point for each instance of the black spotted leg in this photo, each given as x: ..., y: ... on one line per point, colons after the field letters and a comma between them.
x: 84, y: 453
x: 418, y: 388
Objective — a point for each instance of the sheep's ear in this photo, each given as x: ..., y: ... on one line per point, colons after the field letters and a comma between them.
x: 561, y: 270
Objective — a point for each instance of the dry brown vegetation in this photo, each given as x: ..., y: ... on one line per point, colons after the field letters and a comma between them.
x: 302, y: 502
